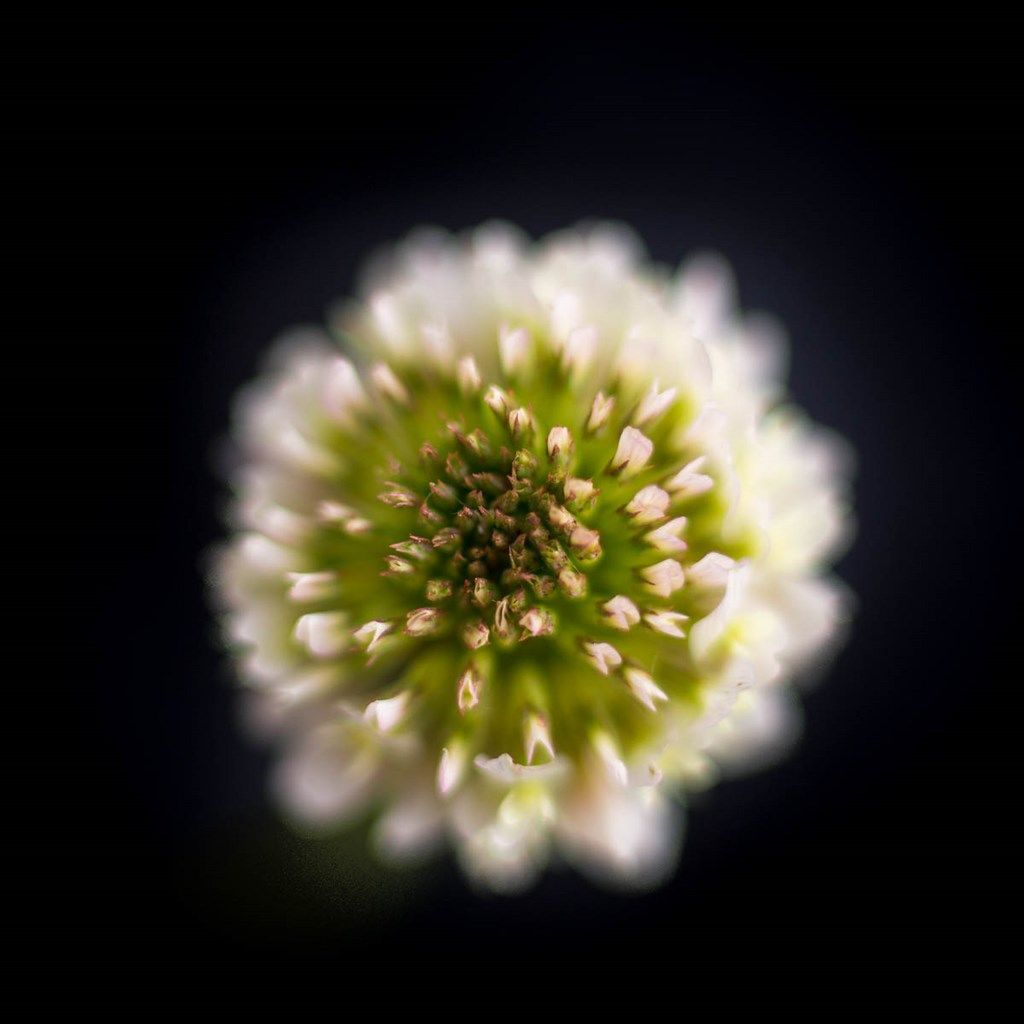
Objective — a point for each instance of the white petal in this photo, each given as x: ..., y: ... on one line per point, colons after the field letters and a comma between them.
x: 603, y: 656
x: 387, y: 318
x: 648, y: 504
x: 438, y: 342
x: 519, y: 421
x: 536, y: 733
x: 370, y: 633
x: 422, y: 621
x: 537, y: 622
x: 711, y: 571
x: 513, y: 345
x: 342, y: 391
x: 450, y: 767
x: 333, y: 512
x: 600, y: 410
x: 667, y: 622
x: 311, y: 586
x: 467, y: 691
x: 504, y: 769
x: 621, y: 612
x: 469, y: 375
x: 665, y: 577
x: 387, y: 383
x: 576, y: 490
x: 644, y: 688
x: 653, y: 404
x: 689, y: 482
x: 579, y: 347
x: 705, y: 633
x: 324, y: 780
x: 386, y: 714
x: 322, y: 633
x: 609, y: 753
x: 559, y: 441
x: 498, y: 400
x: 666, y: 537
x: 633, y: 453
x: 585, y: 542
x: 279, y: 524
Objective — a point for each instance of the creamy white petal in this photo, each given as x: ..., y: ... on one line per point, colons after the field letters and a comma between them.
x: 311, y: 586
x: 644, y: 688
x: 536, y: 733
x: 386, y: 714
x: 648, y: 505
x: 653, y: 404
x: 711, y: 571
x: 323, y: 634
x: 664, y: 578
x: 370, y: 634
x: 469, y: 375
x: 387, y: 383
x: 667, y: 622
x: 603, y: 656
x: 621, y: 612
x: 600, y: 411
x: 633, y: 453
x: 504, y: 769
x: 451, y: 767
x: 667, y: 536
x: 467, y: 691
x: 690, y: 482
x: 559, y: 441
x: 513, y: 345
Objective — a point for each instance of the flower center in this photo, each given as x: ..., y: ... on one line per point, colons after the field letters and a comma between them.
x: 493, y: 537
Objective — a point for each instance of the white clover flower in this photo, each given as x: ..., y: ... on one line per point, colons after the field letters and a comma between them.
x: 542, y: 550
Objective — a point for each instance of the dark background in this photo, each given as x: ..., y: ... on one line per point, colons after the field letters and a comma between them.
x: 182, y: 196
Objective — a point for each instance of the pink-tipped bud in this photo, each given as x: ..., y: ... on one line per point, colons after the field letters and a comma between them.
x: 560, y: 443
x: 498, y: 400
x: 519, y: 423
x: 585, y: 543
x: 475, y: 635
x: 577, y: 492
x: 537, y: 622
x: 423, y: 621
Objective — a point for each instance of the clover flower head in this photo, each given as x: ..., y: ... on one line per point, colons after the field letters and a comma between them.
x: 526, y: 548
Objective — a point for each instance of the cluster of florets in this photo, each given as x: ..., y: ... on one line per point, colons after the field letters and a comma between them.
x: 538, y: 554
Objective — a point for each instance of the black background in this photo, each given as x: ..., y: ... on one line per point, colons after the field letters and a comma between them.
x: 183, y: 196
